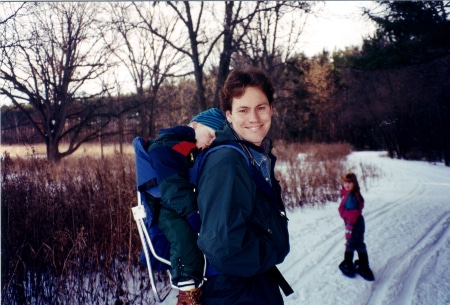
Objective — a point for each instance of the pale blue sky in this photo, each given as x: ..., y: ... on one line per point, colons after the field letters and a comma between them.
x: 338, y: 25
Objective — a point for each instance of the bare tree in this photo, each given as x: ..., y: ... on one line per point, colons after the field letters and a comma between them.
x: 274, y: 34
x: 146, y: 56
x: 197, y: 39
x: 47, y: 61
x: 238, y: 15
x: 11, y: 12
x: 200, y: 34
x: 206, y: 24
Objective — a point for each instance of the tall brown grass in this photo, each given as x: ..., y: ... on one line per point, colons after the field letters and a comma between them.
x: 67, y: 232
x: 68, y: 236
x: 309, y: 173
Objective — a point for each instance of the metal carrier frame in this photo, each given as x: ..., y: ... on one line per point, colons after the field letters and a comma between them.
x: 139, y: 215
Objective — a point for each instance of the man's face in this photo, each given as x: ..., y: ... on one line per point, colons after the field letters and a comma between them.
x: 251, y: 115
x: 204, y: 135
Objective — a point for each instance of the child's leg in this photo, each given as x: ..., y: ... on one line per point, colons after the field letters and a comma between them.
x: 346, y: 266
x: 362, y: 265
x: 186, y: 258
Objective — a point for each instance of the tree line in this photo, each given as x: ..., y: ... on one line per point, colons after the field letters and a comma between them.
x: 158, y: 63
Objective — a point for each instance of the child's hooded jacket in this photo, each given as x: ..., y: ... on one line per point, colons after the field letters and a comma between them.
x: 351, y: 206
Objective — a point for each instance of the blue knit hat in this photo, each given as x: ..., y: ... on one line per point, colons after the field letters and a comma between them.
x: 212, y: 117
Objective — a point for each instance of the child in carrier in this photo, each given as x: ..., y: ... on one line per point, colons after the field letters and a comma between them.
x: 350, y: 209
x: 171, y: 155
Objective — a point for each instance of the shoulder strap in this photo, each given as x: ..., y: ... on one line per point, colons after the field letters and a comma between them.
x: 194, y: 172
x: 147, y: 185
x: 246, y: 150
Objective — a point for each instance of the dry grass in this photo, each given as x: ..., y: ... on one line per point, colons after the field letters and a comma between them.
x: 91, y: 149
x: 66, y: 227
x: 310, y: 173
x: 68, y: 236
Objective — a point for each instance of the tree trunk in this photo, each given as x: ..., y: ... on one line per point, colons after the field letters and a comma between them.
x: 225, y: 56
x: 53, y: 154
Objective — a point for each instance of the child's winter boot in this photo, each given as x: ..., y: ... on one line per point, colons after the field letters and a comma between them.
x: 362, y: 267
x: 190, y: 297
x: 346, y: 266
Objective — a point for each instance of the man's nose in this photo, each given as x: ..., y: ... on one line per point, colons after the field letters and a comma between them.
x: 254, y: 115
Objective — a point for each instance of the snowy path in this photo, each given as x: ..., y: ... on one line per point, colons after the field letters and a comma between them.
x: 407, y: 216
x: 407, y: 235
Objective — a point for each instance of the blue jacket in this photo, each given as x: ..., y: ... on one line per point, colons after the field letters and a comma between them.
x: 244, y: 227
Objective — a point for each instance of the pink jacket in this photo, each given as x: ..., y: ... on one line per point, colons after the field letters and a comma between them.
x: 351, y: 206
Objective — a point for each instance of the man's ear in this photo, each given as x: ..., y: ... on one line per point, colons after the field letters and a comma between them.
x: 228, y: 114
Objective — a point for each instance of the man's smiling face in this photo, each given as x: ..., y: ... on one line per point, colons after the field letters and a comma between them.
x: 251, y: 115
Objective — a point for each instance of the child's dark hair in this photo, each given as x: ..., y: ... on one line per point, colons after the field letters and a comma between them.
x: 351, y: 177
x: 238, y: 80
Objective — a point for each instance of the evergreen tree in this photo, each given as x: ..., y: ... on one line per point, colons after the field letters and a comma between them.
x: 407, y: 32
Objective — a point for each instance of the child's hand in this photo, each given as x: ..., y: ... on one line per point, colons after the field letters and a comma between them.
x: 348, y: 231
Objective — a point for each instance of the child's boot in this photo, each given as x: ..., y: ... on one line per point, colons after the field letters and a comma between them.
x: 190, y: 297
x: 362, y: 267
x: 346, y: 266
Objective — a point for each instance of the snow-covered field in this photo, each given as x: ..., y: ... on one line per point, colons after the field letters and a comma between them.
x: 407, y: 215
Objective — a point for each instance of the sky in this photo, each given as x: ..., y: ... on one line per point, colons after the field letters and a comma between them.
x: 407, y: 214
x: 338, y: 25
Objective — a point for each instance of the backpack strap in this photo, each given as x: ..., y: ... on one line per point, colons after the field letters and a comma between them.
x: 247, y: 152
x: 281, y: 281
x: 147, y: 185
x: 194, y: 172
x: 243, y: 146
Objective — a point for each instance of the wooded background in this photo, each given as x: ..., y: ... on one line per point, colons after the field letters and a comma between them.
x: 82, y: 72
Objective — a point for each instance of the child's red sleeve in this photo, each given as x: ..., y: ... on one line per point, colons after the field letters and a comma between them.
x: 184, y: 147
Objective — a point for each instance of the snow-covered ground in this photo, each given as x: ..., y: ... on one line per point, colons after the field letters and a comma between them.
x: 407, y: 214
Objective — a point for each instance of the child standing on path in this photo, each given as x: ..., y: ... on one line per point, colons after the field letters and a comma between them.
x: 171, y: 155
x: 350, y: 209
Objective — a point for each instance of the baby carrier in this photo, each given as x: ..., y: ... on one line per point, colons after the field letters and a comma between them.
x: 156, y: 248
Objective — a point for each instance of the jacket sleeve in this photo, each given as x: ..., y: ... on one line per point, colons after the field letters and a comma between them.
x: 177, y: 193
x: 226, y: 202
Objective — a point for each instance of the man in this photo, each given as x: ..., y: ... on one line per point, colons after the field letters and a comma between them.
x: 244, y: 226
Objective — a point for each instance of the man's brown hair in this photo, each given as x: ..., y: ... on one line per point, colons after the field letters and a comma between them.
x: 238, y: 80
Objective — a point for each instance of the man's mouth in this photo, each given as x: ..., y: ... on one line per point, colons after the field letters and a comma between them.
x: 254, y: 127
